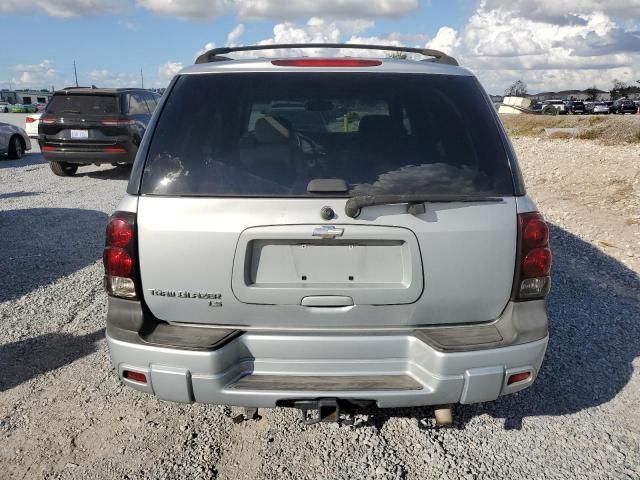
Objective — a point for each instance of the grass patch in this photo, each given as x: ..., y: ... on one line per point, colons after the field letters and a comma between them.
x: 560, y: 135
x: 596, y: 120
x: 636, y: 137
x: 590, y: 134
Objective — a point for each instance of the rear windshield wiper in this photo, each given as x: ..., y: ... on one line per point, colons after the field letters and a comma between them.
x: 354, y: 204
x: 70, y: 111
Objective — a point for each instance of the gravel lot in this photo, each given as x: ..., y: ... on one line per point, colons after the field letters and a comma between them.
x: 63, y: 414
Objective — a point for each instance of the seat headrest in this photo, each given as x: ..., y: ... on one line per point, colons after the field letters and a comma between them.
x: 378, y: 126
x: 270, y: 130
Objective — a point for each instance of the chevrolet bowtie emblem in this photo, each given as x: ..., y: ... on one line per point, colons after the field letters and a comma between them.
x: 328, y: 231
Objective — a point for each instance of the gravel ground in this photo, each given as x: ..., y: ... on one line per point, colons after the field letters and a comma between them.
x: 63, y: 413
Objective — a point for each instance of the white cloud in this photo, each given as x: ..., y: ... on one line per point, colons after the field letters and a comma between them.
x: 446, y: 39
x: 501, y: 46
x: 234, y: 35
x: 109, y: 79
x: 322, y: 30
x: 39, y: 75
x: 63, y: 8
x: 561, y: 11
x: 188, y: 9
x: 166, y: 72
x: 277, y: 9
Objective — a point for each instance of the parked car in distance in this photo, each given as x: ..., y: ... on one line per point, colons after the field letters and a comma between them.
x: 82, y: 126
x: 5, y: 107
x: 23, y: 108
x: 14, y: 141
x: 257, y: 262
x: 536, y: 107
x: 624, y: 105
x: 588, y: 107
x: 600, y: 108
x: 31, y: 124
x: 576, y: 107
x: 559, y: 105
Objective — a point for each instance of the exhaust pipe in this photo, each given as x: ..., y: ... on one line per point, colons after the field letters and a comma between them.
x: 444, y: 415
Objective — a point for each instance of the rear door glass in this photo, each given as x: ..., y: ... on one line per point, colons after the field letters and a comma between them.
x: 270, y: 134
x: 83, y: 104
x: 137, y: 104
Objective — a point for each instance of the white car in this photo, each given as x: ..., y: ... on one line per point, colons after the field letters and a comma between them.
x: 559, y: 105
x: 31, y: 124
x: 5, y: 107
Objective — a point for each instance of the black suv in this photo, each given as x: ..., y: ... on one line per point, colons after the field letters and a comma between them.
x: 94, y: 125
x: 576, y: 107
x: 623, y: 106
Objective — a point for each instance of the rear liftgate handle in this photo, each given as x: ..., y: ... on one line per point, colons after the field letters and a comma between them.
x: 327, y: 301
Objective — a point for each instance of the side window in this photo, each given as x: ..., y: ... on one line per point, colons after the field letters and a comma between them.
x: 151, y: 101
x: 137, y: 105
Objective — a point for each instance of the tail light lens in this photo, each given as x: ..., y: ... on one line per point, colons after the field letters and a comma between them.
x: 116, y: 122
x: 30, y: 120
x: 534, y: 258
x: 47, y: 121
x: 120, y: 256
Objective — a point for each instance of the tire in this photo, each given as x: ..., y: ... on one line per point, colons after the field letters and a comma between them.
x: 549, y: 110
x: 16, y: 150
x: 63, y: 169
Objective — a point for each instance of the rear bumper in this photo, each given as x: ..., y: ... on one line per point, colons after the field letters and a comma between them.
x: 86, y: 155
x: 213, y: 376
x: 267, y: 368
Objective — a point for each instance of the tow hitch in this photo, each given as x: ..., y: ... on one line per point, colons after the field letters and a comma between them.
x: 327, y: 410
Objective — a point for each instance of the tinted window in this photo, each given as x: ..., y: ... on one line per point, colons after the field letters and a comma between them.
x: 87, y: 104
x: 151, y: 101
x: 269, y: 134
x: 137, y: 104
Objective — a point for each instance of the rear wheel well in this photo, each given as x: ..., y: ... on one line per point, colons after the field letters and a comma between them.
x: 22, y: 142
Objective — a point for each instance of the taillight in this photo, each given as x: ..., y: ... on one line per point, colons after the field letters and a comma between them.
x: 326, y: 62
x: 47, y: 121
x: 119, y: 256
x: 115, y: 122
x: 534, y: 258
x: 30, y: 120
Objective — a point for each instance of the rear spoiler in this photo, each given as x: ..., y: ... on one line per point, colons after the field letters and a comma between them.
x: 217, y: 54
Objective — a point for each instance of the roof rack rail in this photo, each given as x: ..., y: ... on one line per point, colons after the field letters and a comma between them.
x: 215, y: 54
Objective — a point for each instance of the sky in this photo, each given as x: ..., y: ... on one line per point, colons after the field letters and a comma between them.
x: 549, y: 44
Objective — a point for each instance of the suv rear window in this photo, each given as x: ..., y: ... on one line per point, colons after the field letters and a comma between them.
x: 270, y: 134
x: 84, y: 104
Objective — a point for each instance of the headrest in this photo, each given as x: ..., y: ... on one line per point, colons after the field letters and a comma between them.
x: 270, y: 130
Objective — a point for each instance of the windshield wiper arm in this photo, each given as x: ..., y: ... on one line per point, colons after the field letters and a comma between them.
x: 354, y: 204
x: 70, y: 111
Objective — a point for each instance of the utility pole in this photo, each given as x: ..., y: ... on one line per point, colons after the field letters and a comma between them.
x: 75, y: 72
x: 141, y: 79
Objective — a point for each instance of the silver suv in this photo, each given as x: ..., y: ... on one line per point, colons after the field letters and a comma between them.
x: 327, y: 232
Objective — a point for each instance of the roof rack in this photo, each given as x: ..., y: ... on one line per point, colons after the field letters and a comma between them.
x: 215, y: 54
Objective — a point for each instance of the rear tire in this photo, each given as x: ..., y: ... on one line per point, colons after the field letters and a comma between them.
x: 15, y: 148
x: 63, y: 169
